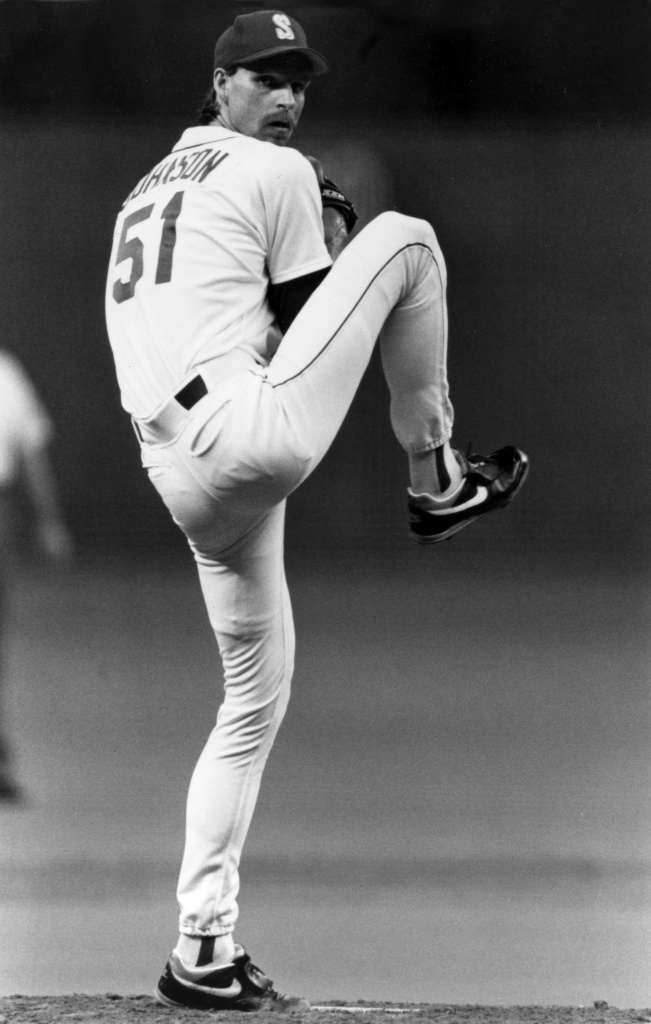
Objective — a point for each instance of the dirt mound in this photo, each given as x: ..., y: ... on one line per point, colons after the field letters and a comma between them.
x: 115, y: 1009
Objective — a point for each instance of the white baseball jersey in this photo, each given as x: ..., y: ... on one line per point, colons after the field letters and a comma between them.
x: 196, y: 245
x: 24, y: 424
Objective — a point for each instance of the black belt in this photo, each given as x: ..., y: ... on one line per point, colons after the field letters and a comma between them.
x: 193, y: 391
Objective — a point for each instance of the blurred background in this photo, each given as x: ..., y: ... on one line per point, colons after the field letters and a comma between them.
x: 457, y: 808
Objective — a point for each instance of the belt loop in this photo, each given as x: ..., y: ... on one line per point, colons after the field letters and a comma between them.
x: 137, y: 430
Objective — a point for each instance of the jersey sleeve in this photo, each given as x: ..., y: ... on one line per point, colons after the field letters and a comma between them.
x: 294, y: 226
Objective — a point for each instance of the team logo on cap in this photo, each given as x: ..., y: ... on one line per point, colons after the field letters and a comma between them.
x: 284, y: 29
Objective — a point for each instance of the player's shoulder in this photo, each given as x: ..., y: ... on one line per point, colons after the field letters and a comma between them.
x: 200, y: 136
x: 265, y: 155
x: 15, y: 384
x: 279, y: 164
x: 11, y: 367
x: 248, y: 157
x: 285, y: 156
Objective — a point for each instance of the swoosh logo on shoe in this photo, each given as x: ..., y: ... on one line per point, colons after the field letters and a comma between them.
x: 232, y: 991
x: 478, y: 497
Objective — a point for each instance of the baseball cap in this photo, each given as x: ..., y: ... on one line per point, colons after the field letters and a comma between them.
x: 261, y: 34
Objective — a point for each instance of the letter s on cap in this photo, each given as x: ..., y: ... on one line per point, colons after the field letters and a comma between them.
x: 283, y: 27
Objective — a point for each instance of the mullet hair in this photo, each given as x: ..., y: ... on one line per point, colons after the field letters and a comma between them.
x: 209, y: 109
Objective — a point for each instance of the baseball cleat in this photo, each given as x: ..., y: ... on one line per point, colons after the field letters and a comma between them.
x: 239, y: 985
x: 490, y: 482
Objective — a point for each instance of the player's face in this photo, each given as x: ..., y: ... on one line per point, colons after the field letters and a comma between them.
x: 264, y: 104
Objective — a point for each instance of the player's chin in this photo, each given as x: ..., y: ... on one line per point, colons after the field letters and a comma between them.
x: 278, y: 134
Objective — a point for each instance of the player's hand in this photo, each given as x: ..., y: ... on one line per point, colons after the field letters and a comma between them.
x: 339, y: 214
x: 335, y: 231
x: 55, y: 540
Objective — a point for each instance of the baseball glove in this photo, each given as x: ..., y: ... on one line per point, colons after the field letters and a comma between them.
x: 331, y: 195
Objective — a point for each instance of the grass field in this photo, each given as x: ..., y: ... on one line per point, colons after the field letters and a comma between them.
x: 456, y: 810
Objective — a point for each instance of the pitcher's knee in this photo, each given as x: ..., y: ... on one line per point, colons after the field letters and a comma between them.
x: 405, y: 229
x: 258, y: 670
x: 251, y: 715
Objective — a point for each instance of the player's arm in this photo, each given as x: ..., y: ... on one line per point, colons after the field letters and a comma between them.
x: 40, y: 484
x: 35, y: 477
x: 338, y: 213
x: 297, y: 257
x: 287, y: 299
x: 305, y: 218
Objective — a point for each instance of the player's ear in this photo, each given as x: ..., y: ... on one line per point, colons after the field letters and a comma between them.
x: 219, y: 81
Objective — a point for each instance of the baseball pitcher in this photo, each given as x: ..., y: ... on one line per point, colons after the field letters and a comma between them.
x: 241, y: 326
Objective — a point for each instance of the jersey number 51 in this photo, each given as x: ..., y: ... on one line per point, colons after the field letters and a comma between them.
x: 133, y: 248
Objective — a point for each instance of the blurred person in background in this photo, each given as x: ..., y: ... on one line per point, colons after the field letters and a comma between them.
x: 26, y: 476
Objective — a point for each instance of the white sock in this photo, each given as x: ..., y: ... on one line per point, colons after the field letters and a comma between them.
x: 199, y: 950
x: 433, y: 502
x: 436, y: 474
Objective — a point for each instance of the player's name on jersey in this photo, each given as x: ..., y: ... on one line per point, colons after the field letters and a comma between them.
x: 196, y: 166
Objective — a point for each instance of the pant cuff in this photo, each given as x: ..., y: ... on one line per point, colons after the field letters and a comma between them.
x: 431, y: 445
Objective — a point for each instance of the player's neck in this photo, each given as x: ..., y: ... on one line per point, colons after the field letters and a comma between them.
x: 219, y: 121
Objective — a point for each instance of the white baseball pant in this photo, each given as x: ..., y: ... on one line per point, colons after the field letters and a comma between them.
x: 225, y: 475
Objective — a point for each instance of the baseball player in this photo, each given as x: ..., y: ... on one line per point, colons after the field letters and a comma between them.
x: 25, y: 434
x: 239, y: 343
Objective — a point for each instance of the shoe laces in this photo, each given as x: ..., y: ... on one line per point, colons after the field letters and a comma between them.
x: 260, y: 978
x: 472, y: 459
x: 266, y: 984
x: 482, y: 466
